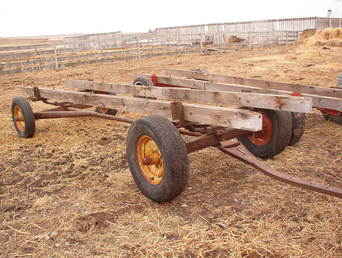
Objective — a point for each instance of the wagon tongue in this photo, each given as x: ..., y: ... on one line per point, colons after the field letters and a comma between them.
x: 241, y: 153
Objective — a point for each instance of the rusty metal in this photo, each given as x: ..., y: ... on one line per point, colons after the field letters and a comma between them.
x: 59, y: 108
x: 189, y: 133
x: 264, y: 136
x: 241, y: 153
x: 213, y: 140
x: 230, y: 144
x: 66, y: 104
x: 65, y: 114
x: 36, y: 94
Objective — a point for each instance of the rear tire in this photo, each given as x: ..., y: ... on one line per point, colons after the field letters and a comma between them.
x: 280, y: 124
x: 333, y: 118
x: 159, y: 168
x: 339, y: 81
x: 298, y: 127
x: 141, y: 81
x: 23, y: 118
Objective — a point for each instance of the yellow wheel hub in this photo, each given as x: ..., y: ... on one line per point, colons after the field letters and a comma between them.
x: 18, y: 118
x: 150, y: 160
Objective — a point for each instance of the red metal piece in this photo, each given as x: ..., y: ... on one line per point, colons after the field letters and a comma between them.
x: 323, y: 110
x: 296, y: 94
x: 154, y: 79
x: 264, y: 136
x: 330, y: 112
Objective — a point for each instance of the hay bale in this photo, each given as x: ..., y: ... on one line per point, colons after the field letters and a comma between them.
x: 307, y: 34
x: 327, y: 37
x: 234, y: 39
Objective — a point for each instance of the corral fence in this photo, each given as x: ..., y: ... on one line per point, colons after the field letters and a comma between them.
x: 112, y: 46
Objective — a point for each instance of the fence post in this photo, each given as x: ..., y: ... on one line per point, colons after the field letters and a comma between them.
x: 56, y: 58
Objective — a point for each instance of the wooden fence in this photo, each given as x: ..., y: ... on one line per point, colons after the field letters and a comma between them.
x: 61, y: 59
x: 109, y: 47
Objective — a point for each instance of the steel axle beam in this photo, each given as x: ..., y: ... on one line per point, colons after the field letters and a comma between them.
x: 214, y: 140
x: 65, y: 114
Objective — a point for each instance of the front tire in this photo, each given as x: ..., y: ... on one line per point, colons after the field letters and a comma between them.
x: 157, y: 158
x: 23, y: 118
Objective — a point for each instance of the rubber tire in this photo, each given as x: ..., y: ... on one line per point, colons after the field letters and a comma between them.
x: 282, y: 133
x: 332, y: 118
x: 174, y: 153
x: 298, y: 127
x: 339, y: 81
x: 142, y: 82
x: 30, y: 121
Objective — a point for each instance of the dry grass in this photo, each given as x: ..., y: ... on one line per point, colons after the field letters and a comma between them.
x: 68, y: 192
x: 327, y: 37
x: 22, y: 41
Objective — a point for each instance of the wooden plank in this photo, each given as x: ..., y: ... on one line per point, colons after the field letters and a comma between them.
x: 328, y: 92
x: 317, y: 101
x: 218, y: 116
x: 219, y: 98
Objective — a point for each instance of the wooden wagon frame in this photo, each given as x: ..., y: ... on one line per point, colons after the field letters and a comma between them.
x: 264, y: 116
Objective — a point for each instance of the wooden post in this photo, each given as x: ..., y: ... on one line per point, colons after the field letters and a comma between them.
x: 56, y: 58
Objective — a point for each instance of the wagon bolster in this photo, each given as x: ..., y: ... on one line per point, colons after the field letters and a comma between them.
x: 217, y: 97
x: 233, y: 118
x: 332, y: 101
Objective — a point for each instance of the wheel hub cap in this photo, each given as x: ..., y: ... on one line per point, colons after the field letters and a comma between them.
x: 18, y: 118
x: 265, y: 135
x: 150, y: 160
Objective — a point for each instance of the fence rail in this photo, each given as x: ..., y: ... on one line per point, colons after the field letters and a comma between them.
x: 67, y: 61
x: 106, y: 47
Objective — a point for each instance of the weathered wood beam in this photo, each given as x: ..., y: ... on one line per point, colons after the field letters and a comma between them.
x: 219, y: 98
x: 217, y: 116
x: 328, y: 92
x: 317, y: 101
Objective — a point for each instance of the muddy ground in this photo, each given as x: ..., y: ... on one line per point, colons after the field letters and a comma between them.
x: 68, y: 192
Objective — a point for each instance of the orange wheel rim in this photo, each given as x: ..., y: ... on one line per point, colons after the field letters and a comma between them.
x: 150, y: 160
x: 265, y: 135
x: 18, y: 118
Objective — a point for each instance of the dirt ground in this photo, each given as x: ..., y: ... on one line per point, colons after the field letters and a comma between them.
x: 68, y: 192
x: 22, y: 41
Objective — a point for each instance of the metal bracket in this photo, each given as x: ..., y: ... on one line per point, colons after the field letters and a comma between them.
x: 177, y: 112
x: 36, y: 95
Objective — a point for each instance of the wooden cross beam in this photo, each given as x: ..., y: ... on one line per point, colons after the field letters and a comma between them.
x: 218, y: 98
x: 213, y: 115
